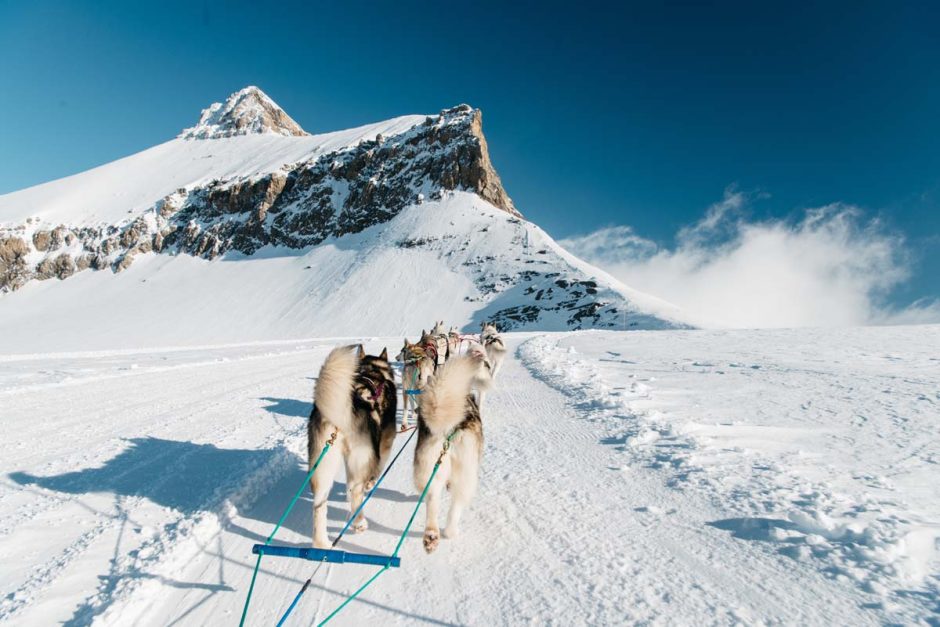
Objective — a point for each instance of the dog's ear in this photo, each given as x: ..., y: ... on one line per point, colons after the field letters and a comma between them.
x: 362, y: 352
x: 384, y: 354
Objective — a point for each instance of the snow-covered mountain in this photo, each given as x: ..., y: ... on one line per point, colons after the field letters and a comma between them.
x: 247, y: 227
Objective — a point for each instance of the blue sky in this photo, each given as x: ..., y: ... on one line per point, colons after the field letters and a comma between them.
x: 597, y: 115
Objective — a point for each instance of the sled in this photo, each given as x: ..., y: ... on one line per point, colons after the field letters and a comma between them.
x: 332, y: 556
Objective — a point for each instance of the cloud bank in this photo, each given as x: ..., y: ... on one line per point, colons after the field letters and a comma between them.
x: 831, y: 267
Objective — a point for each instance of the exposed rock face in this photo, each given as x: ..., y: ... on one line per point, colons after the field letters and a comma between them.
x: 245, y: 112
x: 13, y: 268
x: 300, y: 205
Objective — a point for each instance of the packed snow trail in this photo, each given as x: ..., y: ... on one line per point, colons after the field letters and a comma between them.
x: 134, y: 485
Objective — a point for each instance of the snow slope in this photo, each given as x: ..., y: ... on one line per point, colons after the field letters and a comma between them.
x: 668, y: 477
x: 245, y: 228
x: 124, y: 188
x: 454, y: 257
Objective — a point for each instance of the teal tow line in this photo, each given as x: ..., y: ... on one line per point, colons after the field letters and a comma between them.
x: 401, y: 540
x: 392, y: 561
x: 280, y: 522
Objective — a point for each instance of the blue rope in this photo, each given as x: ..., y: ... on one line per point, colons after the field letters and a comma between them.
x: 254, y: 574
x: 374, y: 488
x: 401, y: 540
x: 346, y: 528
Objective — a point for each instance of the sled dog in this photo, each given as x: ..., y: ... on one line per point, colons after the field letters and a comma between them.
x: 418, y: 366
x: 453, y: 342
x: 439, y: 336
x: 447, y: 406
x: 355, y: 399
x: 495, y: 347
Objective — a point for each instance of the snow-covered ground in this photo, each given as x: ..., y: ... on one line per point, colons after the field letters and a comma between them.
x: 670, y: 477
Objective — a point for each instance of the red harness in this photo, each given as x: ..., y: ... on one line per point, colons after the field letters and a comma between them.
x: 377, y: 389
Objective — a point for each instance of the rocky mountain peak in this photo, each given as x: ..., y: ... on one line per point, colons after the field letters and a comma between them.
x: 246, y: 112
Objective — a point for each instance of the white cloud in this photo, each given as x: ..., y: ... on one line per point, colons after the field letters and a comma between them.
x: 832, y: 267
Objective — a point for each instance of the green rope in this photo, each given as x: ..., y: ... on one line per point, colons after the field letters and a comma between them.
x: 303, y: 486
x: 401, y: 540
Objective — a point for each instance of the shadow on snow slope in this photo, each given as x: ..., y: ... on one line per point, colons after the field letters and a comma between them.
x: 192, y: 477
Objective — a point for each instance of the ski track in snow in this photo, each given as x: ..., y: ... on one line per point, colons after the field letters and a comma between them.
x: 661, y: 477
x: 800, y: 488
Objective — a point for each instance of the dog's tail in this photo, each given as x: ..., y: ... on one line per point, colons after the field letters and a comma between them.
x: 444, y: 401
x: 333, y: 391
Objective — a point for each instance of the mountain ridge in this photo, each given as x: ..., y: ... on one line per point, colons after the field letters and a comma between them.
x: 238, y: 196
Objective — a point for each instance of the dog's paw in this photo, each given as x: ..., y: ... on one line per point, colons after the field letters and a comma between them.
x: 451, y: 532
x: 369, y: 485
x: 360, y: 525
x: 431, y: 539
x: 321, y: 543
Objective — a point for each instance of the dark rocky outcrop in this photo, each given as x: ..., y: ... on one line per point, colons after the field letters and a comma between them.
x: 300, y: 205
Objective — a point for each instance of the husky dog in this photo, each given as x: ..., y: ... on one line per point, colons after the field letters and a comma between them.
x: 468, y: 345
x: 439, y: 336
x: 453, y: 342
x: 447, y: 406
x: 355, y: 400
x: 434, y: 348
x: 418, y: 366
x: 493, y: 343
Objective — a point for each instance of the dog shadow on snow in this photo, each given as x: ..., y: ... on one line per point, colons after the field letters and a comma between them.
x: 288, y: 407
x: 192, y: 478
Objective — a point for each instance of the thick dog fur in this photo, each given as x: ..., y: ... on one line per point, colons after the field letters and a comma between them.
x: 439, y: 336
x: 355, y: 397
x: 494, y: 345
x: 447, y: 405
x: 418, y: 367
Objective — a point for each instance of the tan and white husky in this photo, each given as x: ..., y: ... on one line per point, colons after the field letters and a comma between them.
x: 447, y: 406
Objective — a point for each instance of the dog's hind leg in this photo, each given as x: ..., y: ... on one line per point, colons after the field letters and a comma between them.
x: 406, y: 402
x: 432, y: 532
x: 321, y: 483
x: 462, y: 487
x: 361, y: 469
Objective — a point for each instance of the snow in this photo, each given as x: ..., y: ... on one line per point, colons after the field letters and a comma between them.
x: 178, y: 300
x: 122, y: 189
x: 247, y: 111
x: 668, y: 477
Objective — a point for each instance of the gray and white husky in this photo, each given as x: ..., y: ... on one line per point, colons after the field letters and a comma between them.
x: 447, y: 406
x: 355, y: 398
x: 493, y: 344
